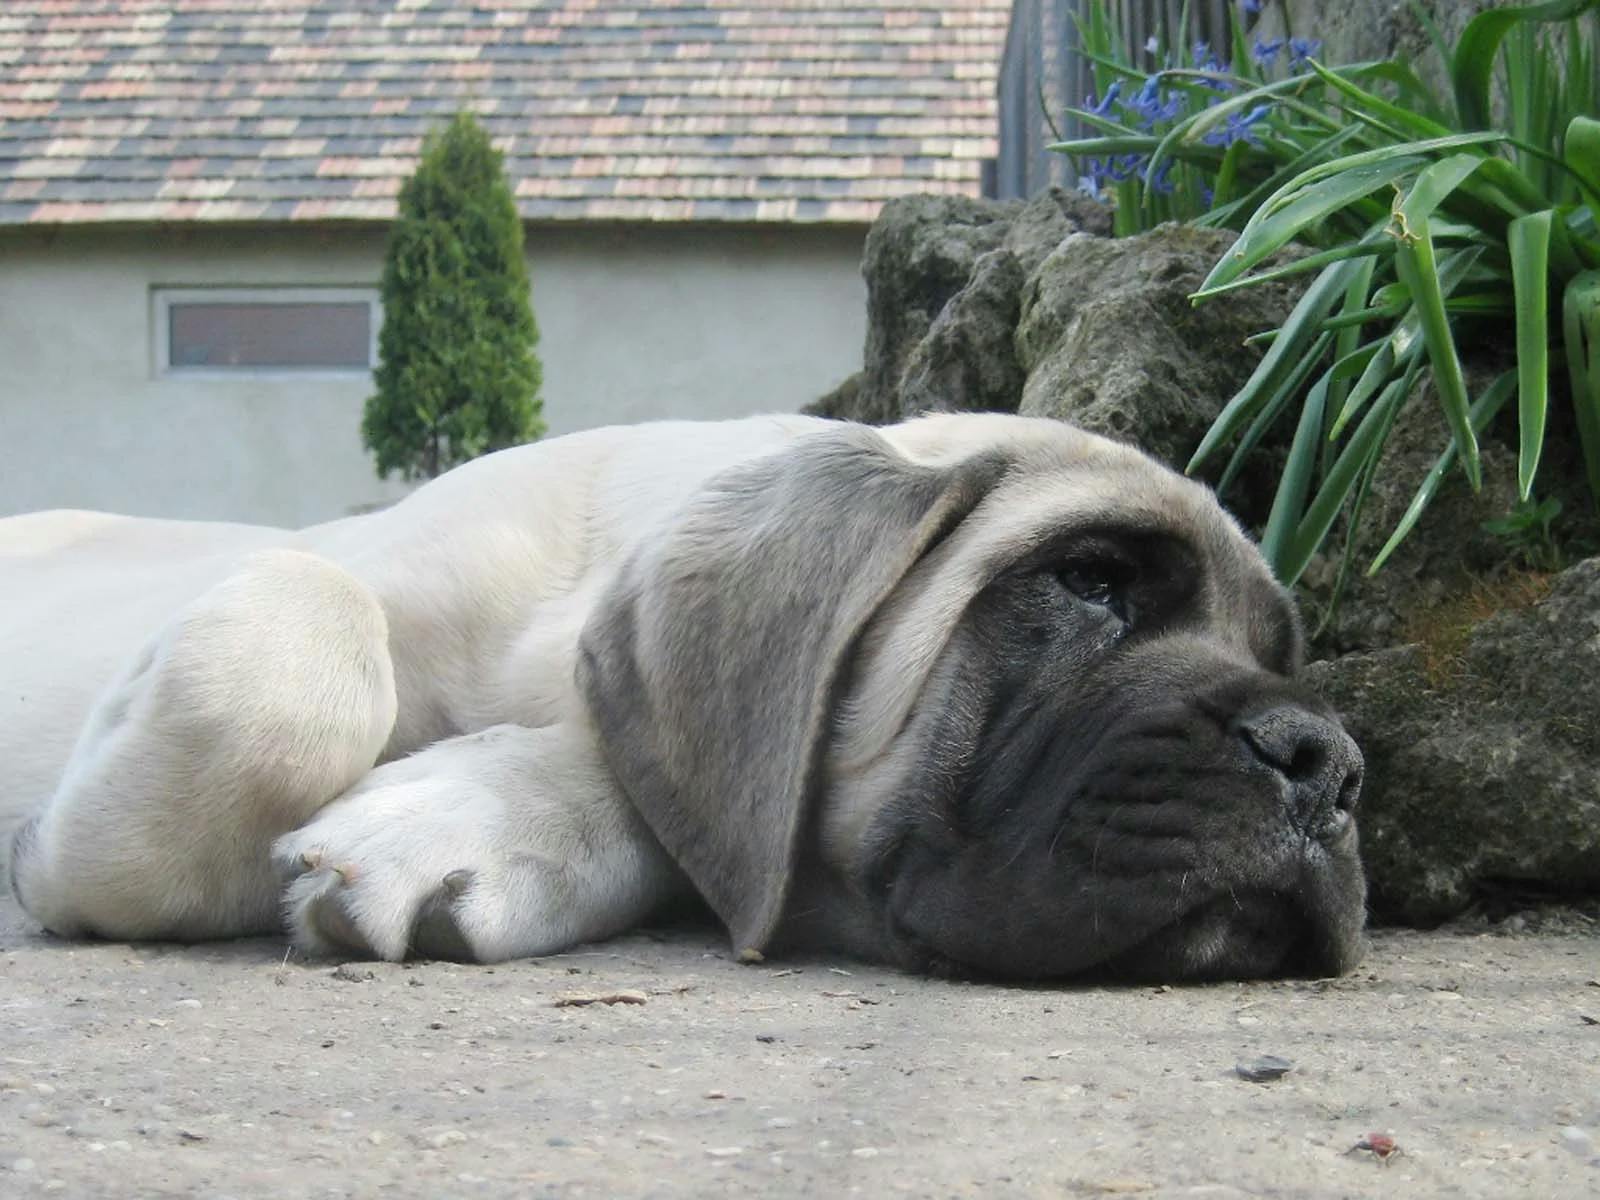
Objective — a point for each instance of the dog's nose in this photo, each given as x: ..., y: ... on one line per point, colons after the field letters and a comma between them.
x: 1318, y: 759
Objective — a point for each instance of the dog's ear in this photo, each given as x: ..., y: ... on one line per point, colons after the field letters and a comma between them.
x: 710, y: 663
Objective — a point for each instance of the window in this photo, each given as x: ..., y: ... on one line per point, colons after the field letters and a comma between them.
x: 260, y: 330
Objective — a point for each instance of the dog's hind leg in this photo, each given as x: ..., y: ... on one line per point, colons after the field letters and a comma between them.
x: 257, y: 704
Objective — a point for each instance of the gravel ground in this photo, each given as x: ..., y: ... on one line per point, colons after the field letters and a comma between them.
x: 233, y: 1070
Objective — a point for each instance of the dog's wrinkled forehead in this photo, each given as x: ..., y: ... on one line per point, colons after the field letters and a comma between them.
x: 1063, y: 480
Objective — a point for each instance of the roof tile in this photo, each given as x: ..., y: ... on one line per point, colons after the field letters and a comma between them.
x: 673, y: 110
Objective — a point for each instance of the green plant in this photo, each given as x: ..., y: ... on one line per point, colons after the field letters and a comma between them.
x: 1431, y: 220
x: 1528, y: 527
x: 1142, y: 95
x: 457, y: 375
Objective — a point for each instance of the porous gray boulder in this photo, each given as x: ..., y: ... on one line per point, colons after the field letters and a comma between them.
x: 1482, y: 748
x: 1109, y: 340
x: 920, y: 252
x: 967, y: 361
x: 944, y: 274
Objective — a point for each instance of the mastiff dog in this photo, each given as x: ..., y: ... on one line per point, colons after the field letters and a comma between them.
x: 972, y: 694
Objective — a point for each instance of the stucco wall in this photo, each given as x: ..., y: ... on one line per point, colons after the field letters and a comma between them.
x: 636, y: 323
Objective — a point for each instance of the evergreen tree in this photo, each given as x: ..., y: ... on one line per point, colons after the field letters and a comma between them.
x: 457, y: 375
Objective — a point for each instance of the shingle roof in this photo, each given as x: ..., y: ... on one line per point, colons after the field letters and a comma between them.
x: 789, y: 110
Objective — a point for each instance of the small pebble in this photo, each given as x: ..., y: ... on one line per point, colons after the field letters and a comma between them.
x: 1577, y: 1140
x: 187, y: 1002
x: 446, y: 1137
x: 864, y: 1152
x: 23, y: 1165
x: 724, y: 1151
x: 1264, y: 1069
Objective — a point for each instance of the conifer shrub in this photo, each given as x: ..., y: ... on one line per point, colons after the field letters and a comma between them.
x: 457, y: 375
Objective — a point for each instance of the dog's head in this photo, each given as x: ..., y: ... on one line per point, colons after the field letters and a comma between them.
x: 981, y: 694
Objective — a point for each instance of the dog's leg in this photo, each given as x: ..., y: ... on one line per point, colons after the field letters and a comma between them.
x: 257, y: 704
x: 501, y: 844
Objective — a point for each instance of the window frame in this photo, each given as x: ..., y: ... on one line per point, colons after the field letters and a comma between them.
x: 163, y: 297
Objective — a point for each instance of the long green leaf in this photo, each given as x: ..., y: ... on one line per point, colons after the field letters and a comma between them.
x: 1355, y: 319
x: 1484, y: 409
x: 1132, y: 143
x: 1349, y: 355
x: 1580, y: 147
x: 1432, y: 186
x: 1364, y: 445
x: 1401, y: 344
x: 1294, y: 484
x: 1366, y: 248
x: 1417, y: 267
x: 1379, y: 166
x: 1298, y: 332
x: 1580, y: 307
x: 1472, y: 65
x: 1269, y: 234
x: 1272, y: 410
x: 1317, y: 151
x: 1529, y: 241
x: 1378, y: 371
x: 1416, y: 124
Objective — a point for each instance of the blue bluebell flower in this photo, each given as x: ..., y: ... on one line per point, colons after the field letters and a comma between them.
x: 1250, y: 8
x: 1159, y: 180
x: 1204, y: 60
x: 1152, y: 105
x: 1094, y: 182
x: 1266, y: 53
x: 1124, y: 167
x: 1301, y: 49
x: 1238, y: 129
x: 1102, y: 107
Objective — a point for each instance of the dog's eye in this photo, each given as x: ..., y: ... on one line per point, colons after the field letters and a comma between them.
x: 1105, y: 583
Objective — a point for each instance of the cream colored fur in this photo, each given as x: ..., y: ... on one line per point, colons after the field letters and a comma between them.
x: 192, y: 713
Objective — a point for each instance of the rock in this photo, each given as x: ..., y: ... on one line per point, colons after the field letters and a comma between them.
x: 1483, y: 757
x: 921, y: 254
x: 967, y: 361
x: 1265, y: 1069
x: 1110, y: 340
x: 842, y: 403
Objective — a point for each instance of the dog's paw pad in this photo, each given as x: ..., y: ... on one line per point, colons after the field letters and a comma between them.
x: 319, y: 914
x: 437, y: 930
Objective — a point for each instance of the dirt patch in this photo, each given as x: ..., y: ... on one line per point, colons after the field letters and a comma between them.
x: 231, y: 1070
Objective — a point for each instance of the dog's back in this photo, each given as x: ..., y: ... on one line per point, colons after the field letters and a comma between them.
x: 472, y: 553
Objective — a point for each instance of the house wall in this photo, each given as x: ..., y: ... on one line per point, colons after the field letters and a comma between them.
x: 636, y: 323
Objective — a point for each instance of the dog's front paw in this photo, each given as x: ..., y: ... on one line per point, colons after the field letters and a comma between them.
x: 406, y: 872
x: 502, y: 844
